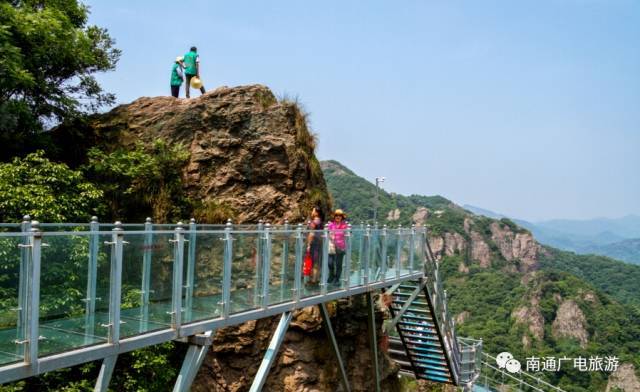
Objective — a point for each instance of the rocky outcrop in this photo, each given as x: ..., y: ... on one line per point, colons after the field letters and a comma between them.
x: 480, y: 251
x: 570, y: 322
x: 532, y: 318
x: 447, y: 245
x: 420, y: 216
x: 515, y: 246
x: 250, y: 154
x: 305, y: 361
x: 624, y: 379
x: 393, y: 215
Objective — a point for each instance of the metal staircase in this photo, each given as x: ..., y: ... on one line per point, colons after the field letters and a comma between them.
x: 429, y: 347
x: 420, y: 334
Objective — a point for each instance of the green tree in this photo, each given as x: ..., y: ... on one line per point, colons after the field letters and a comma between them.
x: 48, y: 58
x: 46, y: 190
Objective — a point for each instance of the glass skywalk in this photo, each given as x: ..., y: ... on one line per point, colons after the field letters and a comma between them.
x: 77, y: 292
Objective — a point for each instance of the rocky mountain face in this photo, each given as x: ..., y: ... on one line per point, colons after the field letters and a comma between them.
x: 250, y: 155
x: 505, y: 287
x: 306, y: 362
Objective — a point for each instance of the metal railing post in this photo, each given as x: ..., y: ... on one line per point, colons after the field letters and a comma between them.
x: 285, y: 252
x: 92, y: 280
x: 399, y: 251
x: 361, y: 253
x: 297, y: 277
x: 23, y: 285
x: 259, y: 262
x: 266, y: 266
x: 412, y: 243
x: 178, y: 263
x: 115, y: 282
x: 33, y: 316
x: 367, y: 244
x: 347, y: 258
x: 324, y: 271
x: 191, y: 265
x: 383, y: 253
x: 226, y: 271
x: 146, y: 274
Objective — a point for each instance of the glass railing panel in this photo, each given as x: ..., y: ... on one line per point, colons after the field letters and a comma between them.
x: 393, y: 267
x: 246, y: 271
x: 10, y: 315
x: 70, y: 316
x: 283, y: 263
x: 405, y: 250
x: 205, y: 300
x: 357, y: 258
x: 314, y: 245
x: 374, y: 255
x: 147, y: 279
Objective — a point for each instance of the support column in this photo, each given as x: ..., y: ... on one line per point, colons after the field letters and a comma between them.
x: 106, y: 371
x: 373, y: 339
x: 326, y: 323
x: 197, y: 351
x: 272, y: 352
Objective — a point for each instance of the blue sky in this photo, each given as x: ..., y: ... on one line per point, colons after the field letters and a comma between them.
x: 528, y: 108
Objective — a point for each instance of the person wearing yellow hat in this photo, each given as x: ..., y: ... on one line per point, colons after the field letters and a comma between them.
x: 192, y: 69
x: 177, y: 76
x: 337, y: 246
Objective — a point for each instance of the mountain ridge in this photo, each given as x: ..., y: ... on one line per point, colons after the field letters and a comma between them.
x: 508, y: 289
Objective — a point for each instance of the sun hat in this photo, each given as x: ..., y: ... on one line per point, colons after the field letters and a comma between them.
x: 179, y: 58
x: 196, y: 82
x: 339, y: 212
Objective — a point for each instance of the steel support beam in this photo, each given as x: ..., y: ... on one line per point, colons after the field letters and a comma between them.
x: 272, y: 352
x: 390, y: 325
x: 191, y: 269
x: 326, y: 323
x: 266, y: 266
x: 373, y: 339
x: 106, y: 371
x: 197, y: 351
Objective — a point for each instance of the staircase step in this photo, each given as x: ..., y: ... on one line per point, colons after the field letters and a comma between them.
x: 432, y: 371
x: 421, y: 329
x: 415, y: 317
x: 435, y: 357
x: 415, y: 324
x: 417, y: 337
x: 434, y: 362
x: 433, y: 378
x: 426, y: 349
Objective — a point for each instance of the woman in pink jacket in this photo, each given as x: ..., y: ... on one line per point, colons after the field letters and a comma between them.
x: 337, y: 228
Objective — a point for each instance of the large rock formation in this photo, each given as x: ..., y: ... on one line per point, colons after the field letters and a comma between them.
x: 305, y: 361
x: 249, y: 153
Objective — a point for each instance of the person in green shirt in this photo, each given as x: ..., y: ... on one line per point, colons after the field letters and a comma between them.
x: 192, y: 68
x: 177, y: 76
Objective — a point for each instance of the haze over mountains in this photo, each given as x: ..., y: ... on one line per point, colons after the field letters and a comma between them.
x: 618, y: 238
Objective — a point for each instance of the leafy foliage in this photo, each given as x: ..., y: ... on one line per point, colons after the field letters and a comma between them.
x: 46, y: 190
x: 49, y: 57
x: 141, y: 182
